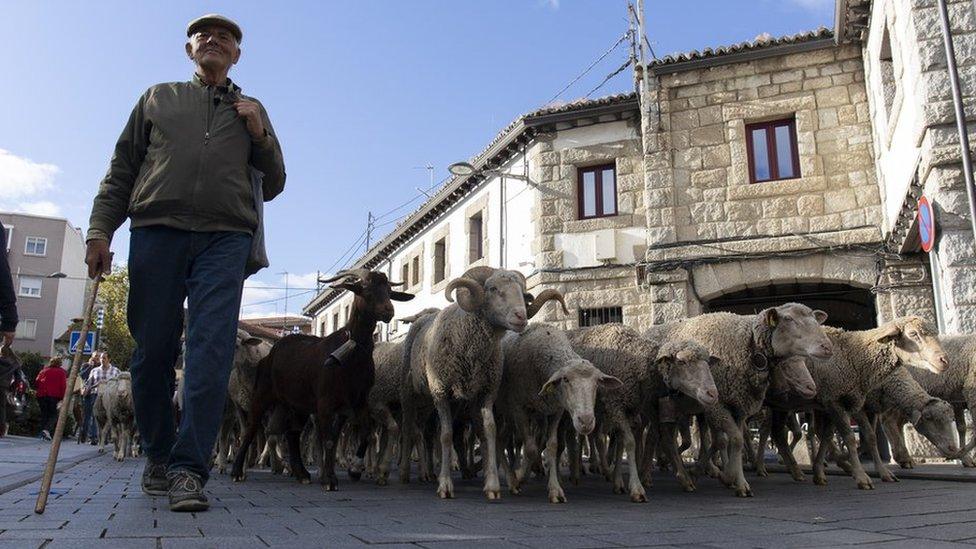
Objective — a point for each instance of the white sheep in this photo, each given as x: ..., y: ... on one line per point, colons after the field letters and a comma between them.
x: 544, y: 378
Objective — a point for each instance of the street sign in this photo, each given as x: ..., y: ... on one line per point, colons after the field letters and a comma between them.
x: 76, y: 336
x: 926, y: 224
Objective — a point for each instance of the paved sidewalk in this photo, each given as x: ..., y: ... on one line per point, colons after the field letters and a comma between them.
x: 22, y: 459
x: 97, y: 504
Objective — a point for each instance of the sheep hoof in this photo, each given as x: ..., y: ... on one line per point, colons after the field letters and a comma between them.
x: 762, y: 472
x: 619, y: 490
x: 381, y: 481
x: 304, y: 480
x: 638, y: 497
x: 743, y: 492
x: 330, y: 486
x: 820, y: 480
x: 966, y: 462
x: 557, y: 496
x: 888, y: 477
x: 492, y: 495
x: 865, y: 485
x: 799, y: 477
x: 445, y: 493
x: 355, y: 475
x: 514, y: 490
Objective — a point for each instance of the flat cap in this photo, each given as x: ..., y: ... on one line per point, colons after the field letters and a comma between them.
x: 214, y: 19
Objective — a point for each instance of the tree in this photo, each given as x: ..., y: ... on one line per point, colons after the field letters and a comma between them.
x: 113, y: 295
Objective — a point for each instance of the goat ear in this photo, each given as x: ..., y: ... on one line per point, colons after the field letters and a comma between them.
x: 714, y: 361
x: 610, y: 382
x: 400, y: 296
x: 528, y: 298
x: 820, y: 316
x: 771, y: 317
x: 889, y: 333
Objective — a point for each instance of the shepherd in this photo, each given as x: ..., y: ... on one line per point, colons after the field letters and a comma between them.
x: 182, y: 172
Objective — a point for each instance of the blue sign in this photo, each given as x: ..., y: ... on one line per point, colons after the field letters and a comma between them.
x: 89, y: 342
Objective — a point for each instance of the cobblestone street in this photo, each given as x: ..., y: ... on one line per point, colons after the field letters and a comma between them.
x: 97, y: 504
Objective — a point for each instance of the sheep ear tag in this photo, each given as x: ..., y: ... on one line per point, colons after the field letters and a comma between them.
x: 667, y: 411
x: 760, y: 362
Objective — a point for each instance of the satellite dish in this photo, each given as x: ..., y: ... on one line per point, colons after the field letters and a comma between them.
x: 461, y: 168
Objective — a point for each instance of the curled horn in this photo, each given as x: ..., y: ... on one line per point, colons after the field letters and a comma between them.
x: 474, y: 288
x: 361, y: 274
x: 538, y: 302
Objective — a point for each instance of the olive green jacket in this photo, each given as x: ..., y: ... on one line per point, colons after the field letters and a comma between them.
x: 182, y: 161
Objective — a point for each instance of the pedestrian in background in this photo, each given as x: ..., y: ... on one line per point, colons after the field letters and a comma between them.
x: 51, y: 383
x: 8, y: 324
x: 88, y: 430
x: 103, y: 373
x: 181, y: 173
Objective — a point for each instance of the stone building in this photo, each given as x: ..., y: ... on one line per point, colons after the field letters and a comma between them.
x: 916, y: 147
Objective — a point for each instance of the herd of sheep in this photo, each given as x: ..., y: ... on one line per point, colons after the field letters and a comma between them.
x: 475, y: 387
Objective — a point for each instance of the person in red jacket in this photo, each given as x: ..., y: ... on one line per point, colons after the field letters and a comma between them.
x: 52, y: 381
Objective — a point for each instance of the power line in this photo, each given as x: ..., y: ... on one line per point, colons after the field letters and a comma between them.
x: 610, y: 76
x: 276, y: 299
x: 593, y: 64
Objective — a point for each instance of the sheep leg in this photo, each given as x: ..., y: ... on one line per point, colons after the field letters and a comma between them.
x: 556, y: 494
x: 730, y: 432
x: 778, y: 431
x: 748, y: 450
x: 598, y: 446
x: 408, y: 432
x: 869, y: 424
x: 489, y: 455
x: 670, y: 444
x: 759, y: 459
x: 637, y: 494
x: 329, y: 428
x: 960, y: 416
x: 574, y: 450
x: 390, y: 432
x: 842, y: 422
x: 824, y: 432
x: 892, y: 423
x: 530, y: 448
x: 445, y: 486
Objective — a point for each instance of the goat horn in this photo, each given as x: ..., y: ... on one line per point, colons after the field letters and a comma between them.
x: 473, y: 287
x: 358, y: 273
x: 397, y: 284
x: 546, y: 295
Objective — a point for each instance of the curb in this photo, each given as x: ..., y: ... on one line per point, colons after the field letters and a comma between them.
x: 17, y: 480
x: 906, y: 474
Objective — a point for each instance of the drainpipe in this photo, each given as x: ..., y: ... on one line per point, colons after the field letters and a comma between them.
x: 967, y: 164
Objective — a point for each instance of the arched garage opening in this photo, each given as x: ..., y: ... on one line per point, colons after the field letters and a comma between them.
x: 846, y: 306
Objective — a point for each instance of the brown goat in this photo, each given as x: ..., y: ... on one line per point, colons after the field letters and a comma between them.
x: 296, y: 378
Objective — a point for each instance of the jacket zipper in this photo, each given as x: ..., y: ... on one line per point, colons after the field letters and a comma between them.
x: 210, y: 114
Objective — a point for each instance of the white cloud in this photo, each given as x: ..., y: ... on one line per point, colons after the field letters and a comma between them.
x: 551, y: 4
x: 42, y: 207
x: 22, y: 177
x: 267, y: 297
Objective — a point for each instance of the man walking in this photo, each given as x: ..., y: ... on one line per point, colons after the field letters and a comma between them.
x: 98, y: 375
x: 181, y: 173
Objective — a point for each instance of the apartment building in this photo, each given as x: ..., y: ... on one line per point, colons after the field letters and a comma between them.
x: 47, y: 263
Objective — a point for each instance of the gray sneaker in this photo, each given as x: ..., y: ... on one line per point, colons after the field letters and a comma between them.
x: 186, y: 492
x: 154, y: 481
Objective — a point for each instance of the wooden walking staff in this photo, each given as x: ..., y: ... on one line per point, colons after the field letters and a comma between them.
x: 52, y: 458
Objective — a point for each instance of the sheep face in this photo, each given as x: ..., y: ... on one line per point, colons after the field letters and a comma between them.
x: 935, y: 422
x: 791, y: 376
x: 686, y: 367
x: 499, y: 299
x: 796, y: 331
x: 576, y: 388
x: 915, y: 343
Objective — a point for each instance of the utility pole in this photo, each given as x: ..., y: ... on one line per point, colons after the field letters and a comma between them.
x: 634, y: 37
x: 369, y: 228
x: 641, y: 47
x: 284, y: 321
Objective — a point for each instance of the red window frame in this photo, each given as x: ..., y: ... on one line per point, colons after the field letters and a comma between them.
x: 771, y: 153
x: 598, y: 178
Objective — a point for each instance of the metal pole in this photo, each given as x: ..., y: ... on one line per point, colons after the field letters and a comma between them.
x: 967, y: 164
x: 52, y: 458
x: 501, y: 221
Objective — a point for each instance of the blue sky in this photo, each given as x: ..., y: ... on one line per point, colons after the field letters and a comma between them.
x: 362, y: 95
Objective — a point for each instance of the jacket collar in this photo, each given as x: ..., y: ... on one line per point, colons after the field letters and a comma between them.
x: 197, y: 81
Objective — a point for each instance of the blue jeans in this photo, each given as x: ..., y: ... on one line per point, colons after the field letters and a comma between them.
x: 166, y: 267
x: 89, y: 427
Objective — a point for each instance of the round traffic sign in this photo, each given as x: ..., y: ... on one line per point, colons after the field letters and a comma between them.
x: 926, y: 224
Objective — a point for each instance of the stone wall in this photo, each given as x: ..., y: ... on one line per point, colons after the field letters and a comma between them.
x: 921, y: 128
x: 697, y: 182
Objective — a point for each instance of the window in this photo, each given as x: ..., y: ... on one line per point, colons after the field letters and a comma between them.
x: 771, y: 147
x: 322, y: 329
x: 335, y: 322
x: 887, y: 61
x: 415, y: 266
x: 597, y: 191
x: 35, y: 245
x: 30, y: 286
x: 601, y: 315
x: 26, y: 329
x: 476, y: 233
x: 440, y: 255
x: 10, y: 234
x: 405, y: 272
